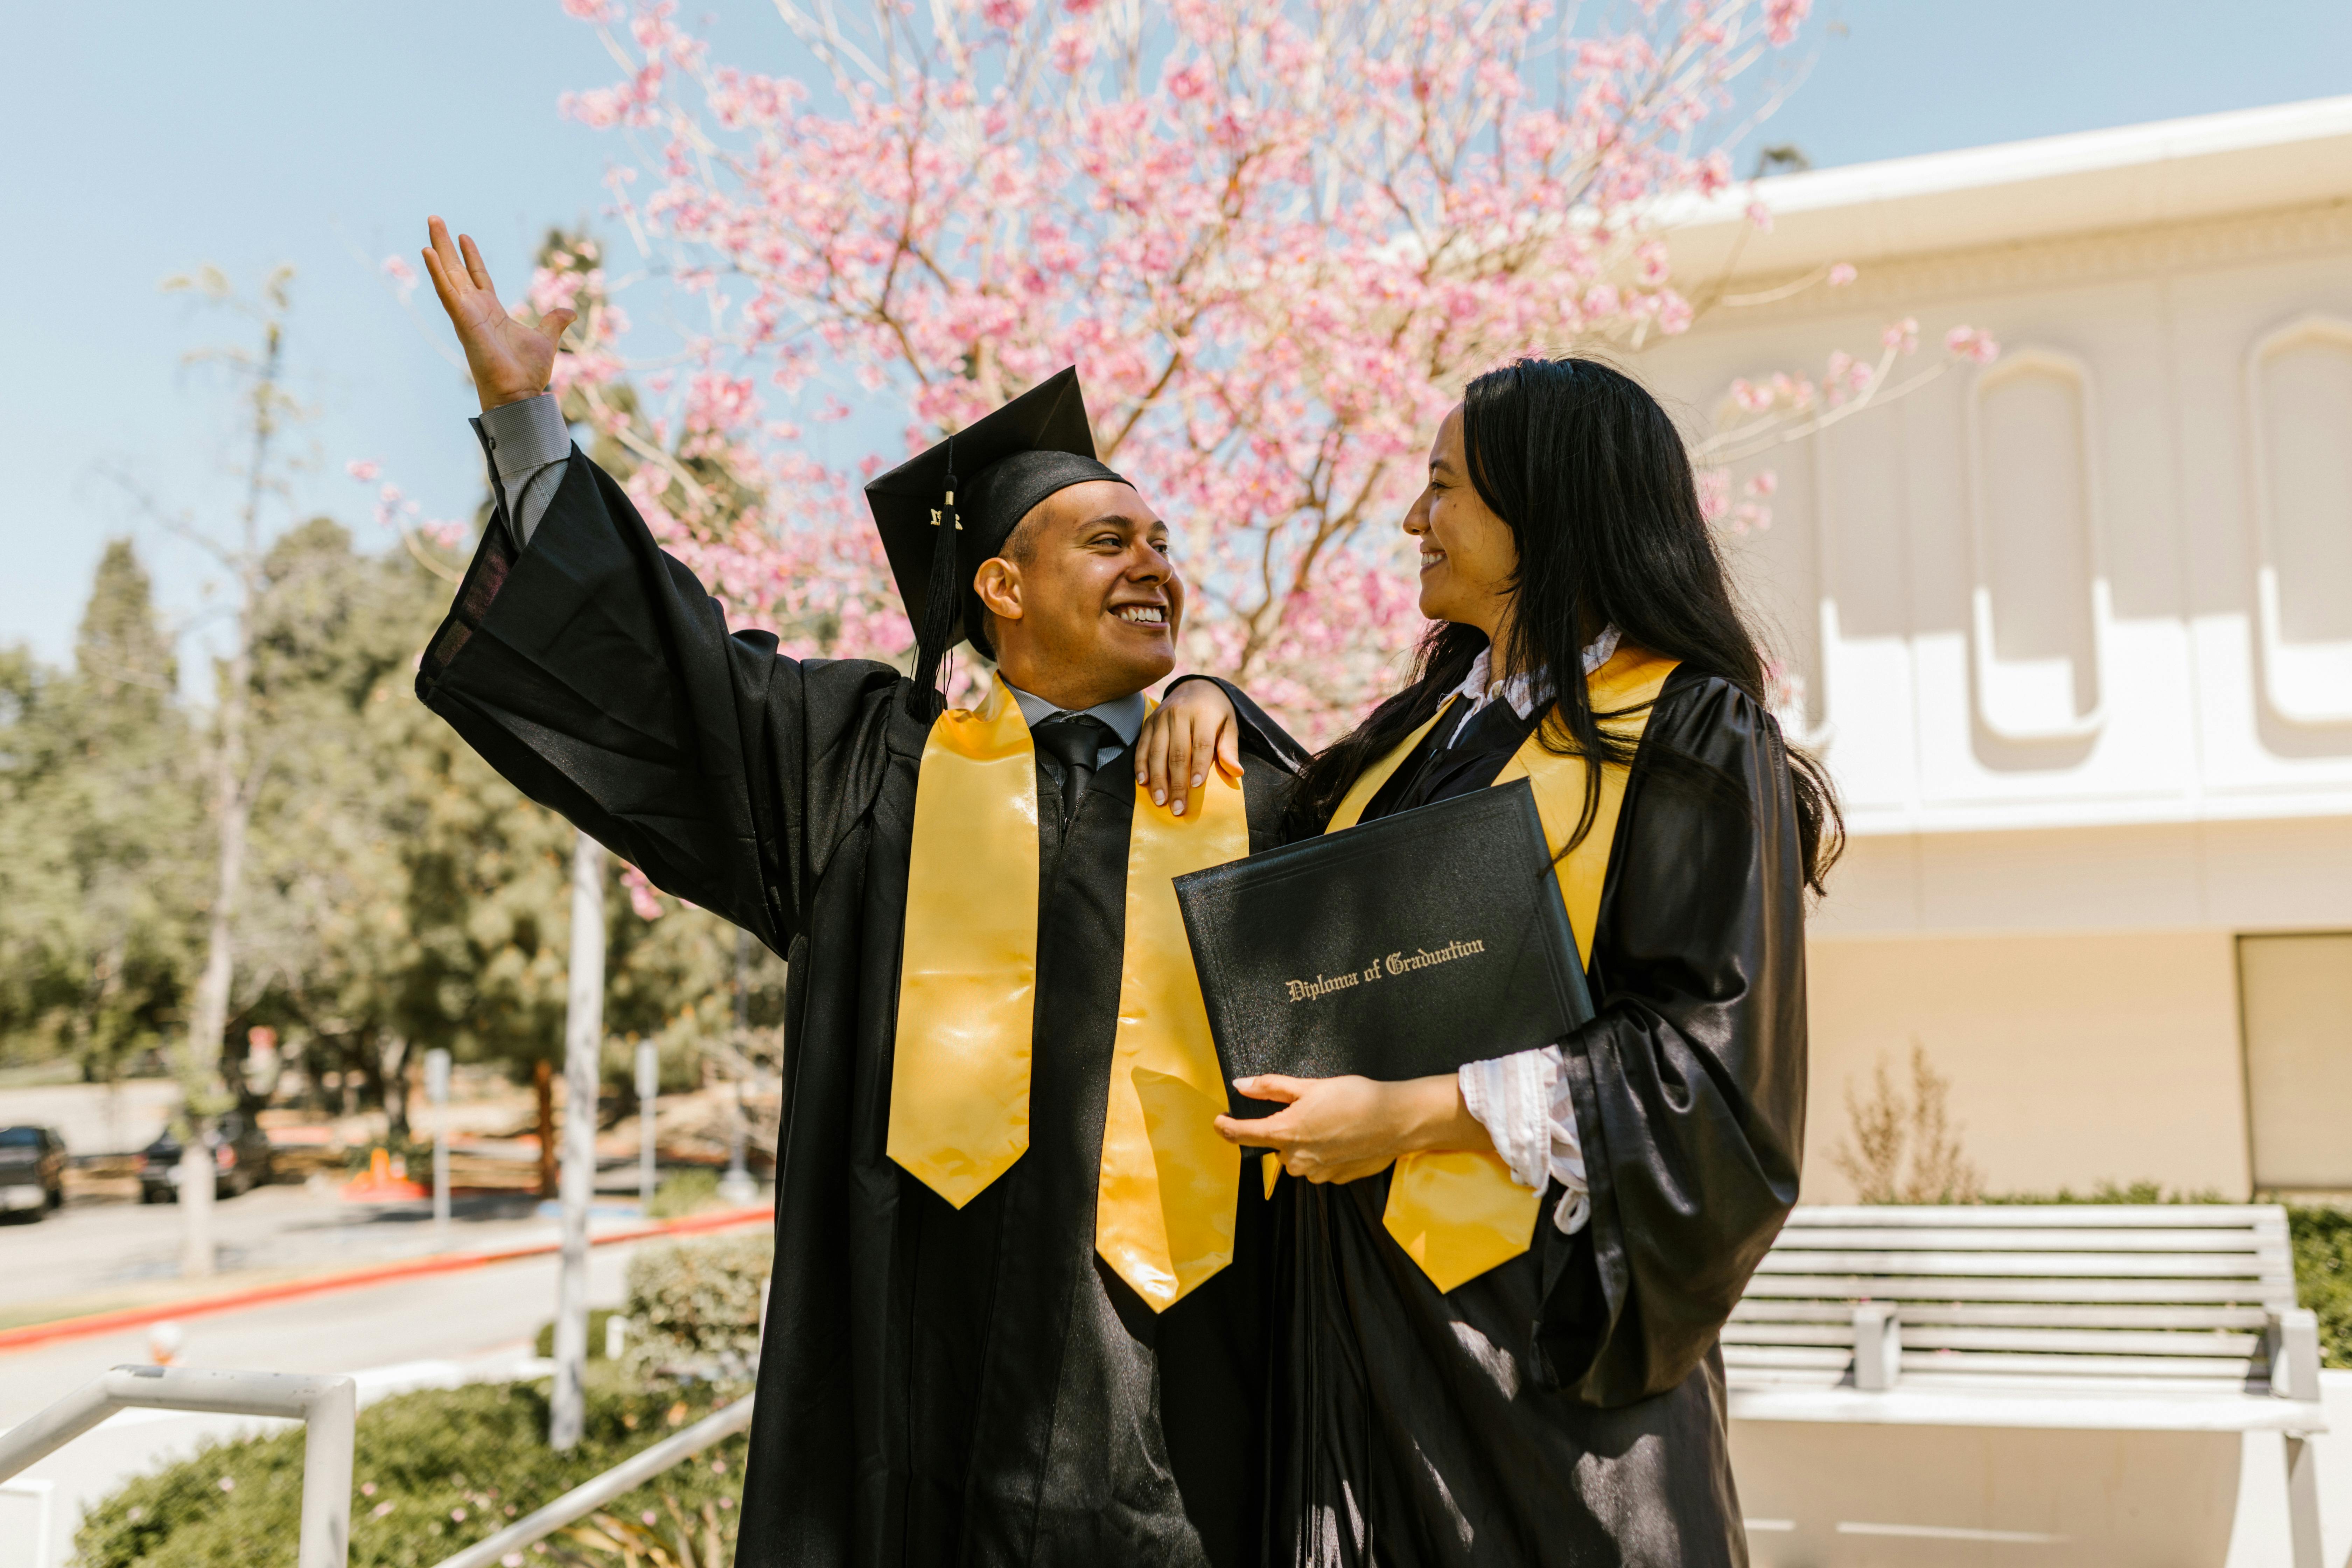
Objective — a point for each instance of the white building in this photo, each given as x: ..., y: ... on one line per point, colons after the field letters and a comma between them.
x: 2074, y: 633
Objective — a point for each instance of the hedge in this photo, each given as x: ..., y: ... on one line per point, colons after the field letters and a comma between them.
x: 435, y: 1471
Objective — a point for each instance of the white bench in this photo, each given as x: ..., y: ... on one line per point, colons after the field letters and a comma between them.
x: 2157, y: 1318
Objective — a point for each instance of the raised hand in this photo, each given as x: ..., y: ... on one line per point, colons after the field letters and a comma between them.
x: 510, y: 361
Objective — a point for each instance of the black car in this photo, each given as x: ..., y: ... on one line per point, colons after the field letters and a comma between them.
x: 240, y: 1161
x: 32, y: 1169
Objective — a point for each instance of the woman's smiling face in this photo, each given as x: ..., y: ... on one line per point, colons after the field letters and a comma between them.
x: 1469, y: 558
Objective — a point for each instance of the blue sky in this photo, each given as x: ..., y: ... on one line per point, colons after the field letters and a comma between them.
x: 147, y: 137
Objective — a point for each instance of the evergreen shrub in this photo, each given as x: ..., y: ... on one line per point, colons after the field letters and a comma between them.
x: 694, y: 1306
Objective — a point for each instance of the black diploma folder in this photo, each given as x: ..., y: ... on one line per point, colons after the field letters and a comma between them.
x: 1397, y: 949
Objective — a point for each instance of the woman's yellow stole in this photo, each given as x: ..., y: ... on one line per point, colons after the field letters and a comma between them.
x: 1460, y: 1214
x: 1166, y: 1193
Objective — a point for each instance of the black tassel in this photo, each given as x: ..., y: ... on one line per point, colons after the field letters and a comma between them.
x: 939, y: 603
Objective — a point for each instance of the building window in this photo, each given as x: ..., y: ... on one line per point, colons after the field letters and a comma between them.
x: 2296, y: 996
x: 2041, y: 601
x: 2300, y: 384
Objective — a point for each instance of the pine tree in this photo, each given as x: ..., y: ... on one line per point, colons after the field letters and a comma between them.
x: 98, y: 828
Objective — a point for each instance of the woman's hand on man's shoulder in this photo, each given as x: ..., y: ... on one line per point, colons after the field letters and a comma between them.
x: 1193, y: 731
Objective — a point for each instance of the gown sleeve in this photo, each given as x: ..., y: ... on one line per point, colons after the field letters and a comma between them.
x: 594, y: 672
x: 1260, y: 731
x: 1689, y: 1082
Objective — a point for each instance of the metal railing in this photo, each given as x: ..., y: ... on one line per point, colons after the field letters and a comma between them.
x: 590, y: 1495
x: 327, y: 1406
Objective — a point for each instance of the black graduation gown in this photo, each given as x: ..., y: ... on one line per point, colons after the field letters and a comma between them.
x: 1567, y: 1407
x: 936, y: 1386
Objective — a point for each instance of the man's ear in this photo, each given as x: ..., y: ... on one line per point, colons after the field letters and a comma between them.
x: 998, y: 584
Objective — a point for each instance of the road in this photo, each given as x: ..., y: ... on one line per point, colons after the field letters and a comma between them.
x: 95, y: 1254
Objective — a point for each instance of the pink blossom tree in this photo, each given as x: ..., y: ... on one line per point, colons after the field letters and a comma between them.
x: 1276, y: 235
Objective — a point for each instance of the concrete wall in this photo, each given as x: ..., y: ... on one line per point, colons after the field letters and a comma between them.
x: 2073, y: 1058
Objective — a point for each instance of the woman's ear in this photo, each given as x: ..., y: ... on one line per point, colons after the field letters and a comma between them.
x: 998, y: 584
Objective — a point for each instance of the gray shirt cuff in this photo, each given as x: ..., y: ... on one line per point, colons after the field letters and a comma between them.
x: 529, y: 443
x: 526, y: 436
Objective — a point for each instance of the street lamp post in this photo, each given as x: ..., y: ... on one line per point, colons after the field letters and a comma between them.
x: 735, y: 1187
x: 437, y: 1094
x: 583, y: 1037
x: 649, y: 1099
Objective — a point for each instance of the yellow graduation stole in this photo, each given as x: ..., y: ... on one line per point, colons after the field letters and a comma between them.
x: 1458, y: 1212
x: 1165, y: 1196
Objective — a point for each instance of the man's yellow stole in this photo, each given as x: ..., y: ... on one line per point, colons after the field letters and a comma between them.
x: 1165, y: 1197
x: 1460, y: 1214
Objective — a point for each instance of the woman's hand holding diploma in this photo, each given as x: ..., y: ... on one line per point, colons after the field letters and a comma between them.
x: 1344, y: 1129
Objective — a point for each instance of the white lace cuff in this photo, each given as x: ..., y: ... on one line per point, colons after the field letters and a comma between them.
x: 1523, y: 1102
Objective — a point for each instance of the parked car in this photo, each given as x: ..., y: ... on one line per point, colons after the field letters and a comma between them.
x: 240, y: 1161
x: 32, y: 1169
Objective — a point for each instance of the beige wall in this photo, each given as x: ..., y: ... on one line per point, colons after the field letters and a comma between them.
x: 2073, y: 1058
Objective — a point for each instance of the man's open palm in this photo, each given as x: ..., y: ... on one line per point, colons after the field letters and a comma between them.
x: 510, y: 361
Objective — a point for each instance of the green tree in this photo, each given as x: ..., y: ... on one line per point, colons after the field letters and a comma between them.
x: 99, y: 831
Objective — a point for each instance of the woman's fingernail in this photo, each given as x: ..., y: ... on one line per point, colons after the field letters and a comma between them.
x: 1198, y: 781
x: 1160, y: 797
x: 1176, y: 810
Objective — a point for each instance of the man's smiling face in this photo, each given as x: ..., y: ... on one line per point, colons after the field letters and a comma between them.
x: 1083, y: 603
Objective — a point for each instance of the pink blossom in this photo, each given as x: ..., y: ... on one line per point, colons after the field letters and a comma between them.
x: 1842, y: 273
x: 1763, y: 482
x: 1783, y: 17
x: 364, y: 470
x: 1233, y: 250
x: 644, y: 901
x: 1902, y: 336
x: 1190, y: 83
x: 1760, y: 217
x: 1074, y: 48
x: 1972, y: 345
x: 1714, y: 493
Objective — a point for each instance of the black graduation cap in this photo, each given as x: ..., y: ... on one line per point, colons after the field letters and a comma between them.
x: 944, y: 511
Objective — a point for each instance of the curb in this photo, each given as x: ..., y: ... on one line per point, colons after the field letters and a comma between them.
x: 351, y: 1278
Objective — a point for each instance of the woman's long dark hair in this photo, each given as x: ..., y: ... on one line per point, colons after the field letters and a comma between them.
x: 1592, y: 477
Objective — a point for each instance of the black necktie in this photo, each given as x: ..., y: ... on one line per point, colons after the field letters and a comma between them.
x: 1073, y: 740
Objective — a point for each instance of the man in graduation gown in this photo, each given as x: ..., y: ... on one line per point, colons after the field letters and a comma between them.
x: 969, y: 1365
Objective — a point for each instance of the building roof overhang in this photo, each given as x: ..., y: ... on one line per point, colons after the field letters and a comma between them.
x: 2166, y: 171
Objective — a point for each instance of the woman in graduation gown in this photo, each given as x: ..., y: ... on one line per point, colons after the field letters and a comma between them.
x: 1565, y: 1405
